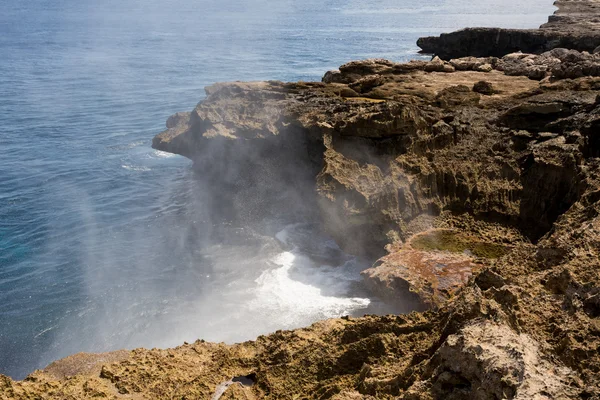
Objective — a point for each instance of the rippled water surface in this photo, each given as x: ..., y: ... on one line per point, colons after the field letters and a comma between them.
x: 104, y: 242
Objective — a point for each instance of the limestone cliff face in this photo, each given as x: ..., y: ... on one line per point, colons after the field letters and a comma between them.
x: 389, y: 148
x: 247, y: 148
x: 573, y: 26
x: 479, y: 176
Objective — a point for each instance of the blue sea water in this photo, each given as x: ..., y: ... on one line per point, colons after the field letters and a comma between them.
x: 104, y: 242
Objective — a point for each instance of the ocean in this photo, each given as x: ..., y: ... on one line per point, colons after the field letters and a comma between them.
x: 106, y: 243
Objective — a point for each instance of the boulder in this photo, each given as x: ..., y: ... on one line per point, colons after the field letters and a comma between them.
x: 484, y: 87
x: 485, y: 68
x: 435, y: 65
x: 487, y: 360
x: 366, y: 84
x: 472, y: 63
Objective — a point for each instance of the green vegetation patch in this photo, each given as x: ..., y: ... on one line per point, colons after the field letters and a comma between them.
x: 456, y: 242
x: 368, y: 99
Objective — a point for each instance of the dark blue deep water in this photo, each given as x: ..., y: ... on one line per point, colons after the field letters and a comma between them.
x: 103, y: 241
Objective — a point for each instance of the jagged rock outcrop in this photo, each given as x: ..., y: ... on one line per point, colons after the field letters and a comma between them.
x: 574, y: 25
x: 400, y: 154
x: 486, y: 360
x: 396, y: 153
x: 434, y: 265
x: 558, y: 63
x: 524, y: 328
x: 431, y: 276
x: 508, y: 179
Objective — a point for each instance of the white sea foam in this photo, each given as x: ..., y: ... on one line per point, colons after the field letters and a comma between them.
x: 135, y: 168
x: 162, y: 154
x: 44, y: 331
x: 298, y: 291
x: 134, y: 144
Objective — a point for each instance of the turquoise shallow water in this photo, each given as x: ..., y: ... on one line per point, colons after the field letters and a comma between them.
x: 104, y: 242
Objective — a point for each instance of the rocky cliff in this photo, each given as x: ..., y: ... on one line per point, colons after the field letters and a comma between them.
x: 575, y: 25
x: 474, y: 183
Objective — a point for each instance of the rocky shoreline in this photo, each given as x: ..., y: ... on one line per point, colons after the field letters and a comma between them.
x: 473, y: 179
x: 575, y: 25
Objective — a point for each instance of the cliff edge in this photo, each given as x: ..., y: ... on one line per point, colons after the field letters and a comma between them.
x: 575, y: 25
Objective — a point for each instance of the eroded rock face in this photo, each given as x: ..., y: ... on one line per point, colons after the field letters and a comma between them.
x: 405, y: 145
x: 486, y: 360
x: 431, y: 277
x: 574, y: 26
x: 235, y: 140
x: 559, y: 63
x: 410, y: 147
x: 433, y: 266
x: 497, y: 42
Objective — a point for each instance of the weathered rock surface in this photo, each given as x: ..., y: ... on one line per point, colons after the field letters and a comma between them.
x: 433, y: 276
x: 495, y: 362
x: 434, y: 265
x: 392, y: 155
x: 558, y: 63
x: 575, y: 25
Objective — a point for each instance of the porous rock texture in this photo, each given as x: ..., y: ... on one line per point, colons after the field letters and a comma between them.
x: 482, y: 207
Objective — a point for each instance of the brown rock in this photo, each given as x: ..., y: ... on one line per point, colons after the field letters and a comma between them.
x: 431, y: 276
x: 484, y: 87
x: 472, y: 63
x: 485, y: 68
x: 367, y: 83
x: 448, y: 68
x: 435, y: 65
x: 498, y: 363
x: 575, y: 25
x: 457, y: 96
